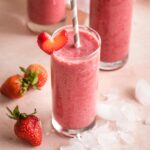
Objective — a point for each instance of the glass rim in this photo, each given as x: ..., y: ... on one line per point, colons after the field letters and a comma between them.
x: 87, y: 29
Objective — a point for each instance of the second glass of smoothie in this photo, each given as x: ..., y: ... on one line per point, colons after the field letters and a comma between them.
x: 74, y: 73
x: 112, y: 20
x: 45, y: 15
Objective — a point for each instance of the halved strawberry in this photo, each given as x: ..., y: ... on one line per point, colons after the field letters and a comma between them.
x: 49, y: 43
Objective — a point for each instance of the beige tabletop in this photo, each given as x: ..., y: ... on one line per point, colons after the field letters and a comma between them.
x: 18, y: 47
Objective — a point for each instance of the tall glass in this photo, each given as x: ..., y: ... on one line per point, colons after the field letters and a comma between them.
x: 45, y: 15
x: 74, y: 75
x: 112, y: 20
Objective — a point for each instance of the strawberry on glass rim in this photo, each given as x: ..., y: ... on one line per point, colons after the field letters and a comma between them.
x: 49, y: 43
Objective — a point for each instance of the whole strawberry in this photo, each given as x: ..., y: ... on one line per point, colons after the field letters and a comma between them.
x: 14, y: 87
x: 27, y: 127
x: 36, y: 75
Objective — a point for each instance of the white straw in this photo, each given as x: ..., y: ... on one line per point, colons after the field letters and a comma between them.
x: 75, y: 23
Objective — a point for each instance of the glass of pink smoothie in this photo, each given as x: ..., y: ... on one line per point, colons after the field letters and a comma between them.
x: 112, y: 20
x: 45, y: 15
x: 74, y: 73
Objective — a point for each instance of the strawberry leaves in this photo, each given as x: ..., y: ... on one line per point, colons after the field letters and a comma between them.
x: 16, y: 115
x: 30, y: 78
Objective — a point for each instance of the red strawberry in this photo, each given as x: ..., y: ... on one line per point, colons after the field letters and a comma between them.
x: 14, y: 87
x: 27, y: 127
x: 36, y: 75
x: 49, y: 44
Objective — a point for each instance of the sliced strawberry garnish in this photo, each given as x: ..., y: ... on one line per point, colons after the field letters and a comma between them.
x: 49, y: 44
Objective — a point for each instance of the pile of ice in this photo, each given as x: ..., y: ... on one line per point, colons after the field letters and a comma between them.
x: 124, y: 125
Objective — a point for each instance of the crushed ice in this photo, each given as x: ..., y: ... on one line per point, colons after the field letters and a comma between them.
x: 142, y: 92
x: 123, y: 125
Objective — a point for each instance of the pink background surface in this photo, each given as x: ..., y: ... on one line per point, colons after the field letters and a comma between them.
x: 18, y: 48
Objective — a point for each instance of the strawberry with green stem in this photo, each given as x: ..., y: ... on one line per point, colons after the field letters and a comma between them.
x: 27, y: 127
x: 35, y: 75
x: 15, y: 87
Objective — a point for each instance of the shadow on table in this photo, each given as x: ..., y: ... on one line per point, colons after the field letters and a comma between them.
x: 131, y: 93
x: 12, y: 24
x: 13, y: 17
x: 11, y: 140
x: 144, y: 2
x: 4, y: 100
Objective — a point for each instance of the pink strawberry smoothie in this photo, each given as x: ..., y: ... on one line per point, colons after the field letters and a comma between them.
x: 75, y: 82
x: 112, y: 20
x: 46, y: 12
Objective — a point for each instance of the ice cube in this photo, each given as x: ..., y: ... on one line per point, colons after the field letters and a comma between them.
x: 100, y: 129
x: 126, y: 137
x: 143, y: 136
x: 132, y: 111
x: 74, y: 146
x: 126, y: 126
x: 109, y: 111
x: 96, y: 147
x: 108, y: 138
x: 142, y: 92
x: 88, y: 140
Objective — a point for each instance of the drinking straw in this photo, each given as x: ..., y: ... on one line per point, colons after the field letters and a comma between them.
x: 75, y: 23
